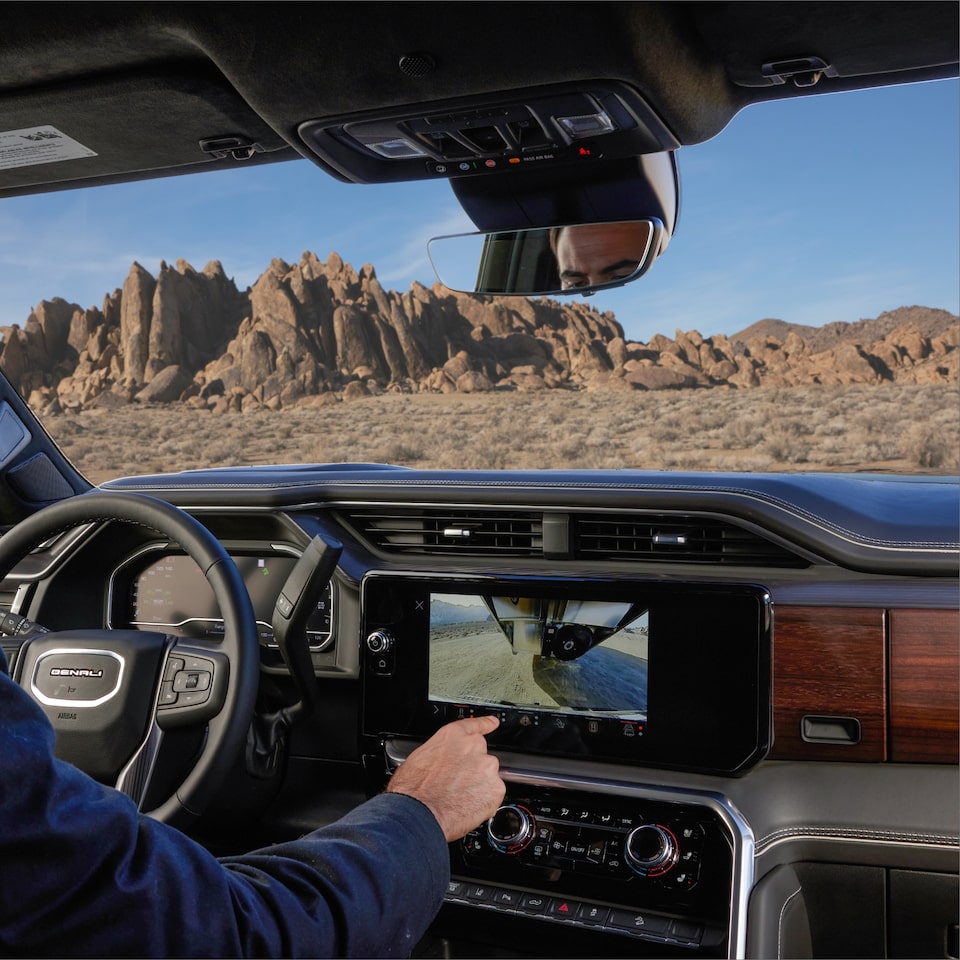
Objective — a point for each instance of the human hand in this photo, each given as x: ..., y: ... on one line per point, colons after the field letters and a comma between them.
x: 455, y: 777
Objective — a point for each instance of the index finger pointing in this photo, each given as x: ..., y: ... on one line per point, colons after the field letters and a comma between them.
x: 481, y: 725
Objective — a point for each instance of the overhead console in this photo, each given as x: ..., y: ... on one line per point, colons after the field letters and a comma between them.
x: 640, y: 673
x: 540, y: 128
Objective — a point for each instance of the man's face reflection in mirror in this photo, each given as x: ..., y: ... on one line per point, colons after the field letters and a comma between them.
x: 597, y: 253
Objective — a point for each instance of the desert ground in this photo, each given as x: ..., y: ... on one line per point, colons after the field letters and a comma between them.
x: 887, y: 428
x: 475, y: 662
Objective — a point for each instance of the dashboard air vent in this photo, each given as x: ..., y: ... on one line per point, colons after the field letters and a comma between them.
x: 454, y: 532
x: 676, y: 539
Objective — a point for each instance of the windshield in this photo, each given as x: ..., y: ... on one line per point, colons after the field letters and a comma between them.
x: 804, y: 317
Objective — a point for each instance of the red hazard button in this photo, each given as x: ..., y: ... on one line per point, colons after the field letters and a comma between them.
x: 564, y: 909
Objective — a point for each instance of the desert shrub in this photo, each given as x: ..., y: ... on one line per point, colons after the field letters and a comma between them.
x: 783, y: 446
x: 742, y: 433
x: 403, y: 452
x: 925, y: 446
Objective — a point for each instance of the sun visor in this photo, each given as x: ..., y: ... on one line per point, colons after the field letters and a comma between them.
x: 118, y: 126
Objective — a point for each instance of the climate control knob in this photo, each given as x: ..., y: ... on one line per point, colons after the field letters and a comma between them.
x: 651, y: 850
x: 380, y: 642
x: 511, y: 828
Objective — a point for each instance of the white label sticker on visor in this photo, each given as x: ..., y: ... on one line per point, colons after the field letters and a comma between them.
x: 41, y: 144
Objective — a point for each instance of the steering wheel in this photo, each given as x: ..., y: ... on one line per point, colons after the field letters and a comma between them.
x: 111, y: 695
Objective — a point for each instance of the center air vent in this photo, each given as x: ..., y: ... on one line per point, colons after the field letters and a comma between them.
x: 453, y: 532
x: 625, y: 537
x: 676, y: 539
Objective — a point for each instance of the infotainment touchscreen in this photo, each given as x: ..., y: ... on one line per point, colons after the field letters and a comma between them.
x: 534, y: 654
x: 673, y: 675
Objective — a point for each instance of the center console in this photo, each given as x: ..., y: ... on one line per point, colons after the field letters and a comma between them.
x: 628, y: 673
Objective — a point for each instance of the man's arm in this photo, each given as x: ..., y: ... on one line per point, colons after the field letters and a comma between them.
x: 453, y: 774
x: 84, y: 874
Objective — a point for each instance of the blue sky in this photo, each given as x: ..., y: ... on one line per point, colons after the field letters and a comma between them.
x: 820, y: 209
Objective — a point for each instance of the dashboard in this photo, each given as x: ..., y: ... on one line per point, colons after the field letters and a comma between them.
x: 728, y: 704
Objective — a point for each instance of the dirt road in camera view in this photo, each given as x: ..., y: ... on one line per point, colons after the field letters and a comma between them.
x: 474, y: 661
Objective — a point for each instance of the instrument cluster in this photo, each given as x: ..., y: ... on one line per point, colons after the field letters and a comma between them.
x: 158, y: 590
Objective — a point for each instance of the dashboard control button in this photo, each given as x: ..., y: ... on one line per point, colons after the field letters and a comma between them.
x: 640, y: 922
x: 511, y: 828
x: 651, y: 850
x: 473, y: 843
x: 577, y: 849
x: 692, y: 832
x: 481, y: 893
x: 564, y: 909
x: 533, y: 903
x: 380, y: 642
x: 507, y: 898
x: 595, y: 851
x: 381, y: 645
x: 540, y: 850
x: 683, y: 879
x: 592, y: 913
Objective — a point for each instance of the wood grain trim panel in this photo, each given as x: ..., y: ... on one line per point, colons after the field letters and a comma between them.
x: 925, y: 686
x: 829, y: 661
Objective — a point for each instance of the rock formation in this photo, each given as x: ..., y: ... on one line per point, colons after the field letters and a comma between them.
x: 313, y: 333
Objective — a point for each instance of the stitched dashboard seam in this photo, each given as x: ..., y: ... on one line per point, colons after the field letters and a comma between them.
x: 852, y: 834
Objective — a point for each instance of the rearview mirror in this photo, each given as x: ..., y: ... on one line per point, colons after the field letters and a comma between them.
x: 574, y: 258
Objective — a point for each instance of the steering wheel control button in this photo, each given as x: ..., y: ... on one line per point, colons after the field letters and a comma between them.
x: 174, y: 666
x: 192, y: 689
x: 192, y: 681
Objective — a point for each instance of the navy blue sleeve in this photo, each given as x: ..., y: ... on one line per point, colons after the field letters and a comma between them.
x: 82, y: 873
